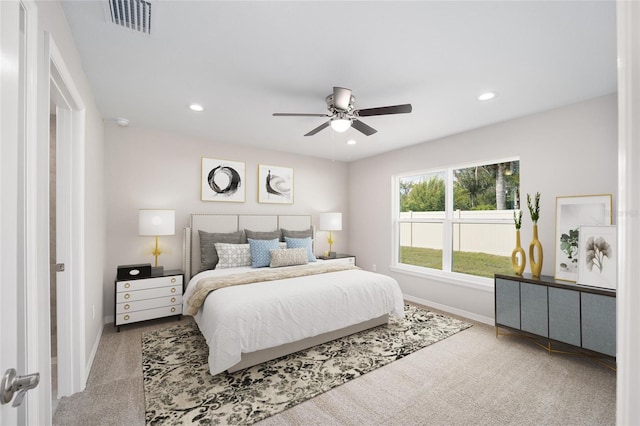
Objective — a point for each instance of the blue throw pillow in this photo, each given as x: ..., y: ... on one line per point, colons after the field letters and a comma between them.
x: 302, y: 243
x: 260, y: 255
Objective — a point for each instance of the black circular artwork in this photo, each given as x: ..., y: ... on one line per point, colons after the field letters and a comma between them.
x: 233, y: 182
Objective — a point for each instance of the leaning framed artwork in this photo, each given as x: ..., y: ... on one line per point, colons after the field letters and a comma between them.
x: 275, y: 184
x: 572, y: 213
x: 597, y: 254
x: 222, y: 180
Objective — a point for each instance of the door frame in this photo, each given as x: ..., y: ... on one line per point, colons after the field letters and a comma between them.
x: 60, y: 89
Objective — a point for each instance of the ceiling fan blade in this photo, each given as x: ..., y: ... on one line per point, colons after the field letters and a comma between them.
x: 317, y: 129
x: 294, y: 114
x: 361, y: 127
x: 341, y: 98
x: 395, y: 109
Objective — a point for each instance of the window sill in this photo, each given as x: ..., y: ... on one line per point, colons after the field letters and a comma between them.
x: 463, y: 280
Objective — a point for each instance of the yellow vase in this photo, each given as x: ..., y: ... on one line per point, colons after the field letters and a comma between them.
x: 518, y: 264
x: 535, y: 261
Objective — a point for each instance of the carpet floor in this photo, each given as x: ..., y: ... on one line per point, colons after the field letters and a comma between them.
x: 179, y: 389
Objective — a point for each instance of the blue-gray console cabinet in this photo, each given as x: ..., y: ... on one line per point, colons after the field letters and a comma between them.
x: 558, y: 311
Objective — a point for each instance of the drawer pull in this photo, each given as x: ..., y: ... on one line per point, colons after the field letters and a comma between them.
x: 173, y: 309
x: 173, y: 290
x: 126, y: 296
x: 127, y: 285
x: 126, y: 317
x: 173, y: 299
x: 126, y: 306
x: 173, y: 280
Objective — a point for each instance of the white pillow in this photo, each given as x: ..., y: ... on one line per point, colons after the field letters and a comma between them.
x: 288, y: 257
x: 233, y: 255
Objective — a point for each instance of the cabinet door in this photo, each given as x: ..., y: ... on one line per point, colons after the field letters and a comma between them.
x: 507, y: 294
x: 534, y: 309
x: 599, y: 323
x: 564, y: 315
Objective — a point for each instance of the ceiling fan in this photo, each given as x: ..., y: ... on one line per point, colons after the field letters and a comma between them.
x: 342, y: 114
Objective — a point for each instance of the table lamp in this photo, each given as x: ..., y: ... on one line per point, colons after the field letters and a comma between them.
x: 155, y: 223
x: 331, y: 221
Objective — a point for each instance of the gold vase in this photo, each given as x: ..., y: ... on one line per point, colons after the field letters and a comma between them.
x: 518, y: 264
x: 536, y: 265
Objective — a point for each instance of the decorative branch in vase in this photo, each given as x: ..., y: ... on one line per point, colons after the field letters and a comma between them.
x: 518, y: 257
x: 535, y: 247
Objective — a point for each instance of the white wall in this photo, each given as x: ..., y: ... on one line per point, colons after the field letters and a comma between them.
x: 146, y: 168
x: 566, y: 151
x: 52, y: 20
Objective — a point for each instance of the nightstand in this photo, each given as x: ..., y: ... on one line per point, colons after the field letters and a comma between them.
x: 148, y: 298
x: 340, y: 258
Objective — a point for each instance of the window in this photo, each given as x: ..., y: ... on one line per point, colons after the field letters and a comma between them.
x: 458, y: 219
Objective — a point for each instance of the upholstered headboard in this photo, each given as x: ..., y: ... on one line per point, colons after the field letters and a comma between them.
x: 224, y: 223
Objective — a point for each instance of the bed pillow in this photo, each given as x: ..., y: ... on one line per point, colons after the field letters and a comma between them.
x: 296, y: 234
x: 288, y: 257
x: 304, y: 243
x: 233, y: 255
x: 208, y: 254
x: 256, y: 235
x: 260, y: 255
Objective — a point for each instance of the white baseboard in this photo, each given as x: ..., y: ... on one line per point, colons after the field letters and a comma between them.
x: 92, y: 356
x: 108, y: 320
x: 451, y: 310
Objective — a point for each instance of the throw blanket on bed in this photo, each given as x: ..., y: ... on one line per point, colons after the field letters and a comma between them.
x: 207, y: 285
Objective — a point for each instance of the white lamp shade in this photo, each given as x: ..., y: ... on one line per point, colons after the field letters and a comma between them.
x: 340, y: 124
x: 157, y: 222
x: 331, y: 221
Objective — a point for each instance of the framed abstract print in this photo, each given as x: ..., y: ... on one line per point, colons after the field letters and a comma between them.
x: 222, y: 180
x: 275, y: 184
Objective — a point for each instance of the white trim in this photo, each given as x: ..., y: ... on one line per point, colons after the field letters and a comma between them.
x: 109, y: 319
x: 451, y: 310
x: 463, y: 280
x: 72, y: 374
x: 94, y: 350
x: 628, y: 292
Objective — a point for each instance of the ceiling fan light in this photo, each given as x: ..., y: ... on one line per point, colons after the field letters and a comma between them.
x: 340, y: 124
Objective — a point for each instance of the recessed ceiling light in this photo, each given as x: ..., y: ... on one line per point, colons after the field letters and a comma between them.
x: 487, y: 96
x: 351, y: 142
x: 196, y: 107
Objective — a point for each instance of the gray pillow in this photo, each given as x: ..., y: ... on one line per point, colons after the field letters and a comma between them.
x: 296, y: 234
x: 255, y: 235
x: 208, y: 253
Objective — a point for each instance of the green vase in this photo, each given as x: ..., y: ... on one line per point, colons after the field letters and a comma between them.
x: 518, y: 264
x: 535, y: 248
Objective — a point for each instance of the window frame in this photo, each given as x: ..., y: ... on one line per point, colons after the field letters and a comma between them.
x: 448, y: 222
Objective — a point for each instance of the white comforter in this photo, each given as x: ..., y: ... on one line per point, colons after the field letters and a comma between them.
x: 251, y: 317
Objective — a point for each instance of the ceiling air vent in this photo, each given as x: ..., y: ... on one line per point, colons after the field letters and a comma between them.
x: 131, y: 14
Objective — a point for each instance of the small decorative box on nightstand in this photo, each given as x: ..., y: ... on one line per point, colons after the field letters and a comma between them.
x: 340, y: 258
x: 148, y: 298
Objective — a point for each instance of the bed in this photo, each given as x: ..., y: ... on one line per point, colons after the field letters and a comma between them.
x: 250, y: 315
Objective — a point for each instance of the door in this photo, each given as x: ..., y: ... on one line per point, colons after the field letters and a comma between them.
x: 15, y: 116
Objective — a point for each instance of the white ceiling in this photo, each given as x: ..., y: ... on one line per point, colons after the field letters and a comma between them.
x: 245, y: 60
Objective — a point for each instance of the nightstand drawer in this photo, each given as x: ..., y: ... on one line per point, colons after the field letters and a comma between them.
x: 141, y: 305
x: 342, y: 260
x: 148, y: 314
x: 148, y: 283
x: 152, y: 293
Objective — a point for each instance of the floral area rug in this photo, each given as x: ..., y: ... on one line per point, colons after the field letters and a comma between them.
x: 179, y: 390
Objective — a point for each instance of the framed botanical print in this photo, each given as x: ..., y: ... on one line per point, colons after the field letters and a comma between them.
x: 571, y: 214
x: 222, y: 180
x: 597, y: 254
x: 275, y: 184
